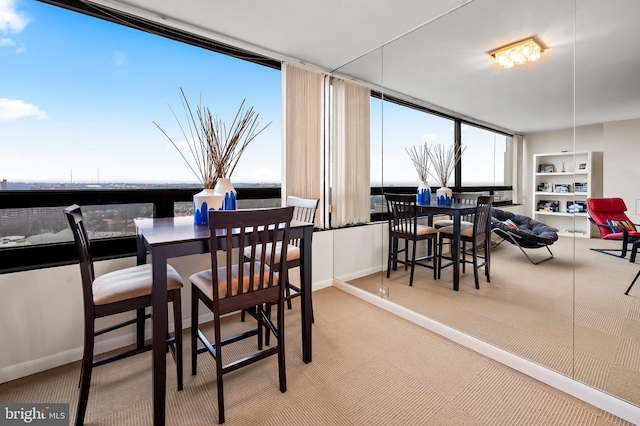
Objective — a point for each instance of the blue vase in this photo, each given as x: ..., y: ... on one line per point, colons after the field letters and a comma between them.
x: 204, y: 201
x: 424, y: 193
x: 226, y: 190
x: 443, y: 196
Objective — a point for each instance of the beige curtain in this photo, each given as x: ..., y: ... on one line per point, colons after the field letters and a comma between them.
x: 350, y: 142
x: 303, y: 135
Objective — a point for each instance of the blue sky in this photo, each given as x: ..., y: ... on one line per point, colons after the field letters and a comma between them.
x: 79, y: 96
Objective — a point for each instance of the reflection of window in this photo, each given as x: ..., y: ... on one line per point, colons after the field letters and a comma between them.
x: 486, y: 160
x: 404, y: 127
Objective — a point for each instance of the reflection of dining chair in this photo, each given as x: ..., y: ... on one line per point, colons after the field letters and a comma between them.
x: 403, y: 225
x: 113, y: 293
x: 614, y: 225
x: 477, y: 235
x: 237, y: 283
x: 461, y: 198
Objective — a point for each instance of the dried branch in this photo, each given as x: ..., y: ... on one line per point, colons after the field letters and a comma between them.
x: 419, y: 155
x: 444, y: 161
x: 215, y: 152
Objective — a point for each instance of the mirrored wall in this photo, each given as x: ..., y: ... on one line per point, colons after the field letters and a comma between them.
x: 568, y: 313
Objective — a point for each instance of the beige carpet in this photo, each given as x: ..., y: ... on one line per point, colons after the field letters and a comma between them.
x: 528, y: 309
x: 369, y: 368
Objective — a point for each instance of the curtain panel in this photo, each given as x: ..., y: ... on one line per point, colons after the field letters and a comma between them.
x: 350, y: 142
x: 303, y: 135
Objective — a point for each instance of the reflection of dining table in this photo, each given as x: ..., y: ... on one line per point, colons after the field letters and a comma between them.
x: 164, y: 238
x: 455, y: 211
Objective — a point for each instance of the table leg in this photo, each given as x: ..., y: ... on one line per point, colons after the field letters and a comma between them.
x: 455, y: 250
x: 159, y: 319
x: 306, y: 305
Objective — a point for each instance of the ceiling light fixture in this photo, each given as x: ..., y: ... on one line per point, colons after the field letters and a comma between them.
x: 518, y: 53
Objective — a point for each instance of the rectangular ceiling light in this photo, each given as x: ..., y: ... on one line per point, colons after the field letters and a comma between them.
x: 518, y: 53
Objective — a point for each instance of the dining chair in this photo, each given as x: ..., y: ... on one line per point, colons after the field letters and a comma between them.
x: 117, y: 292
x: 236, y: 283
x: 477, y: 234
x: 462, y: 198
x: 403, y: 225
x: 304, y: 211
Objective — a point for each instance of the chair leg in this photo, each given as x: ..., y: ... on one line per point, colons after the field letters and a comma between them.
x: 219, y: 373
x: 413, y: 261
x: 632, y: 283
x: 85, y: 374
x: 140, y: 327
x: 406, y: 254
x: 434, y: 251
x: 177, y: 322
x: 389, y: 256
x: 464, y: 256
x: 439, y: 256
x: 475, y: 265
x: 194, y: 332
x: 282, y: 373
x: 288, y: 293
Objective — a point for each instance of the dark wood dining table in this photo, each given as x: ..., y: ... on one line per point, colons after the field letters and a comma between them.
x: 164, y: 238
x: 455, y: 211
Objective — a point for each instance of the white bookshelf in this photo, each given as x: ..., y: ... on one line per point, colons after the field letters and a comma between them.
x: 562, y: 182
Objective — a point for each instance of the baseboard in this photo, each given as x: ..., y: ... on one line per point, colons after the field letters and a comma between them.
x: 579, y: 390
x: 362, y: 273
x: 38, y: 365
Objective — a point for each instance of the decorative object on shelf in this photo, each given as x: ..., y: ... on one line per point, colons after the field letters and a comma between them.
x: 576, y: 206
x: 214, y: 153
x: 562, y: 187
x: 580, y: 187
x: 546, y: 168
x: 549, y: 206
x: 582, y: 167
x: 544, y: 187
x: 419, y: 155
x: 563, y: 168
x: 444, y: 163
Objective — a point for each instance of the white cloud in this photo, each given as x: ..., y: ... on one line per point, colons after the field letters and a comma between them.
x: 6, y: 42
x: 430, y: 137
x: 11, y: 20
x: 14, y: 109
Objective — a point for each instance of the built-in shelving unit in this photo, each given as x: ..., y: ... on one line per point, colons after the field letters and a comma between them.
x: 562, y: 182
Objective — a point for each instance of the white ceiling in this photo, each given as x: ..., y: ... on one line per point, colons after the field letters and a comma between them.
x: 445, y: 63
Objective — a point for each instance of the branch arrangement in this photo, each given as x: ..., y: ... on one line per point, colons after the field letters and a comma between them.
x: 419, y: 155
x: 444, y: 161
x: 215, y: 150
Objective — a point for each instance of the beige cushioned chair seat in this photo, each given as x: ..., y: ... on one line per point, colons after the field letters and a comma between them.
x: 449, y: 222
x: 420, y: 230
x: 293, y: 252
x: 129, y: 283
x: 466, y: 231
x: 204, y: 280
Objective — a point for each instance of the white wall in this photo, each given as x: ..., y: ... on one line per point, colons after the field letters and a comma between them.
x: 617, y: 140
x: 41, y: 316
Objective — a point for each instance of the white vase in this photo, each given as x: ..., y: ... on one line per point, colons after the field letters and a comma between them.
x: 443, y: 196
x: 228, y: 192
x: 424, y: 193
x: 204, y: 201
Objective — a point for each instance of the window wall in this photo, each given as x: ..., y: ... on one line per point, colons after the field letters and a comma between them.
x: 80, y: 96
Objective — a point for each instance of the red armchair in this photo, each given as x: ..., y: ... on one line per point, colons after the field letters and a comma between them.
x: 610, y: 217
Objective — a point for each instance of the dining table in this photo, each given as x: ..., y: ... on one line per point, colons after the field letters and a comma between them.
x: 164, y: 238
x: 455, y: 211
